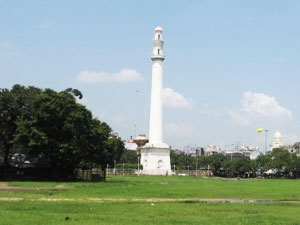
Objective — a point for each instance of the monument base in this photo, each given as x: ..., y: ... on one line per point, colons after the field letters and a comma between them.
x: 156, y: 160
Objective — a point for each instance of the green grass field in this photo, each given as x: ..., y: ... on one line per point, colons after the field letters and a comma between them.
x: 152, y: 200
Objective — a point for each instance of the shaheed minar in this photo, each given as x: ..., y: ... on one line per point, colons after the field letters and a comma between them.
x: 155, y: 155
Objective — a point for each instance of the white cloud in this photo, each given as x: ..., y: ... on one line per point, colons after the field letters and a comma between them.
x: 259, y: 106
x: 264, y: 105
x: 174, y: 99
x: 125, y: 75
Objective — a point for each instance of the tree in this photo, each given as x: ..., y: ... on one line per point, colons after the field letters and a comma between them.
x: 103, y: 148
x: 294, y: 166
x: 216, y: 162
x: 280, y: 159
x: 263, y: 162
x: 228, y: 168
x: 242, y: 165
x: 54, y: 128
x: 115, y: 148
x: 61, y: 130
x: 14, y: 106
x: 179, y: 159
x: 7, y: 125
x: 129, y: 156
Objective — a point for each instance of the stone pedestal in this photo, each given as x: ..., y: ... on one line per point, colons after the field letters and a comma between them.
x: 156, y: 161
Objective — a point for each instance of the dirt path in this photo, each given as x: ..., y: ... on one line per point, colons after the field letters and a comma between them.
x: 5, y: 188
x: 153, y: 201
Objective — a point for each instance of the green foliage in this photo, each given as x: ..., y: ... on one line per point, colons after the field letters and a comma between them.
x: 15, y: 105
x: 280, y: 158
x: 181, y: 160
x: 242, y: 165
x: 129, y: 156
x: 115, y: 148
x: 286, y: 162
x: 216, y: 162
x: 52, y: 126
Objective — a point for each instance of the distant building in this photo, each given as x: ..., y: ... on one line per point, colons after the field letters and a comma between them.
x: 296, y: 148
x: 277, y: 141
x: 212, y: 150
x: 193, y: 151
x: 250, y: 151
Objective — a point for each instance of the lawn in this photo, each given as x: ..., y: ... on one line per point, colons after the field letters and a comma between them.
x: 152, y: 200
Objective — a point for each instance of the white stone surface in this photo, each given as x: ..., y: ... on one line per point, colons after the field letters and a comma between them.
x: 156, y: 161
x: 156, y: 112
x: 155, y: 155
x: 277, y: 140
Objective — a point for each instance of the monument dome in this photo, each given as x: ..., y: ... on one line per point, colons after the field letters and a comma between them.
x: 277, y: 140
x: 277, y: 135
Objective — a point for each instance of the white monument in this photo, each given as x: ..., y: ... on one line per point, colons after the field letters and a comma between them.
x: 155, y: 155
x: 277, y: 140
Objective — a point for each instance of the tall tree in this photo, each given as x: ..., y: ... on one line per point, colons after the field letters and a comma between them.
x: 7, y: 125
x: 242, y: 165
x: 216, y: 162
x: 15, y: 104
x: 105, y: 149
x: 280, y: 158
x: 56, y: 130
x: 294, y: 166
x: 66, y: 134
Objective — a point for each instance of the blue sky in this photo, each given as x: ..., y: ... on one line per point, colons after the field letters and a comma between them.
x: 230, y: 68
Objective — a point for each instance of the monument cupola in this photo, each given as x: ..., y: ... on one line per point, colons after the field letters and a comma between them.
x: 277, y: 140
x: 158, y: 44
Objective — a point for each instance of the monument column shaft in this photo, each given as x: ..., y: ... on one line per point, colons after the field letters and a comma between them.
x: 155, y: 155
x: 156, y: 112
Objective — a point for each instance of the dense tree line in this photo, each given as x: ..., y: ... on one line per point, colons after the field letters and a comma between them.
x: 54, y: 131
x: 219, y: 164
x: 287, y: 164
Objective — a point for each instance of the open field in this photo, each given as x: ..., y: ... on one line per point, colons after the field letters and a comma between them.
x: 152, y: 200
